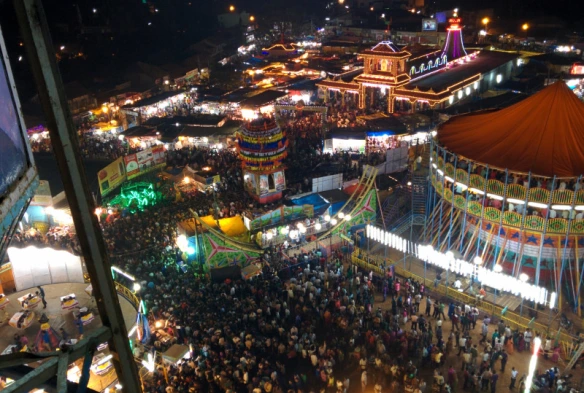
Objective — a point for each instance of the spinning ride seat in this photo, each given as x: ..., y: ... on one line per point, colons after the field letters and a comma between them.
x: 3, y: 301
x: 104, y: 367
x: 86, y: 316
x: 29, y: 301
x: 22, y: 319
x: 69, y: 302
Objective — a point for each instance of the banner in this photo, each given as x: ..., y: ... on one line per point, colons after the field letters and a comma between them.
x: 250, y: 183
x: 279, y: 181
x: 131, y: 162
x: 42, y: 195
x: 264, y: 187
x: 111, y: 176
x: 145, y: 161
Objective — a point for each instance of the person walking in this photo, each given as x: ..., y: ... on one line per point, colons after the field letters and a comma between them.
x: 504, y: 358
x: 513, y: 378
x: 527, y: 339
x: 494, y: 379
x: 41, y: 293
x: 363, y: 381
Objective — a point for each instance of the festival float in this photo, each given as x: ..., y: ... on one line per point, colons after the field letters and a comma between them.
x: 262, y: 147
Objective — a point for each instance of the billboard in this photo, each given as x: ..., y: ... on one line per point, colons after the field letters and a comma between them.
x: 264, y: 185
x: 429, y: 25
x: 13, y: 154
x: 279, y: 181
x: 111, y: 176
x: 145, y: 161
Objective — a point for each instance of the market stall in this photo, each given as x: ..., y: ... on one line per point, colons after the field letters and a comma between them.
x: 176, y: 353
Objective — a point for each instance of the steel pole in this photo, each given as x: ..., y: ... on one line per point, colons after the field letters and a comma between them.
x: 37, y: 41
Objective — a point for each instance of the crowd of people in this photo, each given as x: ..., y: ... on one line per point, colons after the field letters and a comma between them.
x: 308, y: 323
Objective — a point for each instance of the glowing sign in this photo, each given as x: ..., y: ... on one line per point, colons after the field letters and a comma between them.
x: 454, y: 23
x: 577, y: 69
x: 431, y: 65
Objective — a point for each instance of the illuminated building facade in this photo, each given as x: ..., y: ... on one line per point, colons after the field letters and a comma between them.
x: 262, y: 146
x: 413, y: 79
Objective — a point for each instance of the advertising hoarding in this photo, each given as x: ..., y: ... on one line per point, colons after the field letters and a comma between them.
x: 429, y: 25
x: 111, y: 176
x: 145, y: 161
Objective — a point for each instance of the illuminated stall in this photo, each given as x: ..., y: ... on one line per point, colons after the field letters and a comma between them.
x: 260, y: 104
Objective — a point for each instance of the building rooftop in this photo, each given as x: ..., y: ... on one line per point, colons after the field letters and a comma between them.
x: 441, y: 80
x: 153, y: 100
x: 262, y: 99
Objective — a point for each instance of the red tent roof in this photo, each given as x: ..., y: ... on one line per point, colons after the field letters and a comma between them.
x: 543, y: 134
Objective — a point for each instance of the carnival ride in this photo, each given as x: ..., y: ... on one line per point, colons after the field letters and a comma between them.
x: 222, y: 250
x: 506, y: 189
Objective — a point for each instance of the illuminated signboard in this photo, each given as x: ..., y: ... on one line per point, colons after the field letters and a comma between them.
x: 429, y: 25
x: 455, y: 23
x: 577, y: 69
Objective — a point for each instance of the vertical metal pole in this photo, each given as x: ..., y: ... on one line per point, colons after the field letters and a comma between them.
x: 463, y: 229
x: 452, y: 203
x: 443, y: 197
x: 570, y: 217
x: 522, y: 227
x: 480, y: 222
x: 547, y: 215
x: 37, y: 41
x: 501, y: 219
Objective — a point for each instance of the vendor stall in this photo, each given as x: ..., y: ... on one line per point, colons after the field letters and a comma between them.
x: 29, y: 301
x: 22, y: 319
x: 176, y: 353
x: 69, y: 302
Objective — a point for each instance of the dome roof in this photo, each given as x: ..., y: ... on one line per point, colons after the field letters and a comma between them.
x: 543, y: 134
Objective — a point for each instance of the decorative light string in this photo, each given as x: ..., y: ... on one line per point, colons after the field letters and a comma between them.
x: 493, y: 278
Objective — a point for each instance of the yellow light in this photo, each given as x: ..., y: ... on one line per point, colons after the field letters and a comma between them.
x: 186, y: 180
x: 486, y: 21
x: 231, y: 8
x: 104, y: 109
x: 341, y: 1
x: 251, y: 18
x: 525, y: 26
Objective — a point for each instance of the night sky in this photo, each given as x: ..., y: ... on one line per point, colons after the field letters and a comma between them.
x: 159, y: 31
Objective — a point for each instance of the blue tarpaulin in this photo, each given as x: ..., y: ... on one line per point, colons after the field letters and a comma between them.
x: 319, y: 203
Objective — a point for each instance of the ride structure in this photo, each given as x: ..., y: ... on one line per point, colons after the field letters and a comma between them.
x: 262, y: 147
x: 506, y: 187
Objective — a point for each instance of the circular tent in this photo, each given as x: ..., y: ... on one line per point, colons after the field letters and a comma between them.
x: 508, y: 186
x: 543, y: 134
